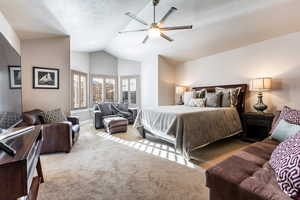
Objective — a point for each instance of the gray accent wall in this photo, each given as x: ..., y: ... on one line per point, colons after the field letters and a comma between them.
x: 277, y: 58
x: 49, y: 53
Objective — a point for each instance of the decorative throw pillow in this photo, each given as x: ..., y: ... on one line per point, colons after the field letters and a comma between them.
x: 230, y: 96
x: 201, y: 93
x: 187, y: 96
x: 285, y: 160
x: 213, y: 99
x: 53, y: 116
x: 284, y: 130
x: 197, y: 102
x: 290, y: 115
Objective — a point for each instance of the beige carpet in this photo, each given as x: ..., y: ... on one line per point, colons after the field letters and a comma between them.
x: 126, y: 167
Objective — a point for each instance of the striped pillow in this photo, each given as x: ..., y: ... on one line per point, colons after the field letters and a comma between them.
x: 285, y: 160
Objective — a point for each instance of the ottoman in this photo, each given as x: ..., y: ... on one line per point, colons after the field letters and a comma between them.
x: 115, y: 124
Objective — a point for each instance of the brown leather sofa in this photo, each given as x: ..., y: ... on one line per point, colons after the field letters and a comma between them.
x: 58, y: 137
x: 246, y: 175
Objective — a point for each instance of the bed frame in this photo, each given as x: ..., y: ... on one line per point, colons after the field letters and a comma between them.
x: 241, y: 99
x: 240, y: 107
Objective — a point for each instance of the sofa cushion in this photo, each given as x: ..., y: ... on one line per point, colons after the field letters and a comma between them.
x: 33, y: 117
x: 106, y: 109
x: 262, y: 184
x: 53, y: 116
x: 285, y: 161
x: 247, y: 174
x: 284, y: 130
x: 288, y: 114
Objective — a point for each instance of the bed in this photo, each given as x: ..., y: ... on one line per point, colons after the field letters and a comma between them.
x: 189, y: 128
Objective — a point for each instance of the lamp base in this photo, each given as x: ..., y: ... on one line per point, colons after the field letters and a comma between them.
x: 260, y: 107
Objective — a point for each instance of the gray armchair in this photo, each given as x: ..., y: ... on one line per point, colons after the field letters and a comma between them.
x: 106, y: 110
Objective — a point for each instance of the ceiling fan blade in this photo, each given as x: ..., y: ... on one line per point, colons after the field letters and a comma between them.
x: 131, y: 31
x: 146, y: 39
x: 136, y: 18
x: 175, y: 28
x: 167, y: 15
x: 166, y: 37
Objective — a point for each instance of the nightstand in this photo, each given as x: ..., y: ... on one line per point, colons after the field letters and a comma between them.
x: 256, y: 125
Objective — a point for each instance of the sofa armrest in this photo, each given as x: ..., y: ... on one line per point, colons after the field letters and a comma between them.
x: 57, y: 137
x: 276, y: 117
x: 98, y: 119
x: 73, y: 119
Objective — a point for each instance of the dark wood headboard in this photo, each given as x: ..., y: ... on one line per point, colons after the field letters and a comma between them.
x: 242, y: 97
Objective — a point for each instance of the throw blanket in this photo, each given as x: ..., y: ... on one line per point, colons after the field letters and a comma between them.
x: 190, y: 127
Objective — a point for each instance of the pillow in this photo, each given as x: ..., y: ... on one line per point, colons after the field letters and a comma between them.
x: 290, y: 115
x: 201, y: 93
x: 285, y: 160
x: 187, y: 96
x: 285, y: 130
x: 213, y: 99
x: 230, y: 96
x: 197, y: 102
x: 53, y: 116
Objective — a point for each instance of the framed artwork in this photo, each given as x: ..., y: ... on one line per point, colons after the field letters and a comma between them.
x: 45, y: 78
x: 15, y: 74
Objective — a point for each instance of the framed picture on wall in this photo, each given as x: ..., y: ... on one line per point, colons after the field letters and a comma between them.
x: 45, y: 78
x: 14, y: 73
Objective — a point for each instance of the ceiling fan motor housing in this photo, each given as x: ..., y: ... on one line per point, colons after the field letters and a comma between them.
x: 155, y: 2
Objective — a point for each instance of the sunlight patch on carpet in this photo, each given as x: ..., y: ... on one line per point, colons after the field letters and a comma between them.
x: 156, y: 149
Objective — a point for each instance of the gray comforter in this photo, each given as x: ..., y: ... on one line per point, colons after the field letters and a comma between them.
x: 189, y: 128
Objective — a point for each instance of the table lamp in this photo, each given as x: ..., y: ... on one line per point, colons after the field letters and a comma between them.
x: 179, y: 92
x: 260, y: 85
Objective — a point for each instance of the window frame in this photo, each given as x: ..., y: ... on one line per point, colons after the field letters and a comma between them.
x: 104, y: 77
x: 80, y: 74
x: 138, y: 85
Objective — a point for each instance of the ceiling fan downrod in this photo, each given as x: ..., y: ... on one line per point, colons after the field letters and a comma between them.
x: 155, y: 3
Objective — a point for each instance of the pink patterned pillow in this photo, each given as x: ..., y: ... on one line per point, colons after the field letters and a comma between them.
x: 285, y: 160
x: 290, y: 115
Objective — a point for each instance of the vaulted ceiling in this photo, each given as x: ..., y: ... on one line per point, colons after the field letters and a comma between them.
x: 219, y: 25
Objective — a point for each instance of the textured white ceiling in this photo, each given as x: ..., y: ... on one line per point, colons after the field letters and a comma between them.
x: 219, y: 25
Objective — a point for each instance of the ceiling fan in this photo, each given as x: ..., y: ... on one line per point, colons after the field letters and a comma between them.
x: 155, y: 29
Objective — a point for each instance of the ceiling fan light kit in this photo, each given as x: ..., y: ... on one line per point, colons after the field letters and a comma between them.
x: 155, y: 30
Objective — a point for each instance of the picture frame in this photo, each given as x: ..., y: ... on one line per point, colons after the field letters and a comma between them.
x: 15, y: 77
x: 45, y: 78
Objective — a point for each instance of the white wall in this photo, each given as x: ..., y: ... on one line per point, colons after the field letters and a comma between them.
x: 278, y: 58
x: 103, y: 63
x: 9, y: 33
x: 149, y: 82
x: 166, y: 82
x: 80, y: 61
x: 128, y: 67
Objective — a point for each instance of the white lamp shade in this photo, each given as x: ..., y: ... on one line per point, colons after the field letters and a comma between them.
x: 261, y: 84
x: 180, y: 90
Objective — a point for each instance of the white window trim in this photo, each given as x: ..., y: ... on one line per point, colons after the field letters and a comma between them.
x: 72, y: 89
x: 104, y: 77
x: 138, y: 86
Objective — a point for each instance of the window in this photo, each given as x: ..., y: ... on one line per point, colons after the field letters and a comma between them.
x: 79, y: 90
x: 104, y: 89
x: 129, y: 89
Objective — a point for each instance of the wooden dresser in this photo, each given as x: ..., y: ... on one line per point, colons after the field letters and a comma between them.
x: 17, y: 172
